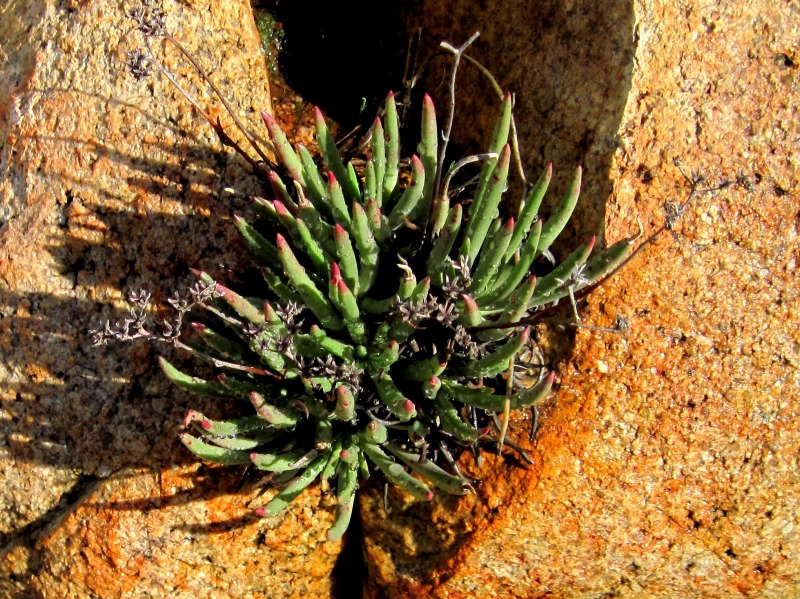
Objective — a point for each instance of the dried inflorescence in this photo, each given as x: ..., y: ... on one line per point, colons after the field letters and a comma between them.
x: 395, y: 316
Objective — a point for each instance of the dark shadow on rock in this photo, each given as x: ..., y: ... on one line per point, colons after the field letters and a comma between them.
x: 342, y: 56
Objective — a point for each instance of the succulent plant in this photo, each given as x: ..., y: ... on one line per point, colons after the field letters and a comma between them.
x: 395, y: 317
x: 394, y: 320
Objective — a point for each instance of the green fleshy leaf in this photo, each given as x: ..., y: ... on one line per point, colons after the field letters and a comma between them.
x: 284, y: 149
x: 451, y: 422
x: 428, y: 154
x: 491, y: 257
x: 264, y: 251
x: 398, y: 404
x: 223, y: 428
x: 345, y: 404
x: 315, y: 186
x: 378, y: 158
x: 485, y: 208
x: 516, y: 308
x: 513, y: 274
x: 530, y: 211
x: 392, y: 137
x: 438, y: 259
x: 280, y: 417
x: 293, y: 489
x: 276, y: 462
x: 214, y: 453
x: 347, y: 257
x: 455, y: 485
x: 346, y: 498
x: 499, y: 140
x: 312, y: 296
x: 192, y: 383
x: 496, y: 362
x: 411, y: 195
x: 483, y: 398
x: 396, y: 473
x: 560, y: 276
x: 555, y: 224
x: 333, y: 160
x: 368, y: 250
x: 535, y: 394
x: 338, y: 205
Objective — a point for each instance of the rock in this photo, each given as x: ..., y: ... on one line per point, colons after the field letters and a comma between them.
x: 569, y: 66
x: 110, y: 184
x: 666, y: 463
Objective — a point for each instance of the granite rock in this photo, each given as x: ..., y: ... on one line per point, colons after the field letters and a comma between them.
x: 665, y: 464
x: 109, y: 184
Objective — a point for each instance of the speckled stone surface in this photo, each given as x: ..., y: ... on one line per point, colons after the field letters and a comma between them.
x: 666, y: 465
x: 109, y: 184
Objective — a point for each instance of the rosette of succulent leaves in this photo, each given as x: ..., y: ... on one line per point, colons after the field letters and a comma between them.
x: 395, y: 316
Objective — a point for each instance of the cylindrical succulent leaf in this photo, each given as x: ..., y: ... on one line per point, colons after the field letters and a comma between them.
x: 529, y: 211
x: 347, y: 257
x: 469, y: 314
x: 438, y: 258
x: 311, y: 295
x: 535, y: 394
x: 375, y: 433
x: 315, y: 185
x: 278, y: 503
x: 499, y: 140
x: 345, y: 497
x: 555, y: 224
x: 276, y: 462
x: 223, y: 428
x: 491, y: 257
x: 484, y: 210
x: 213, y: 453
x: 451, y: 422
x: 337, y: 202
x: 222, y: 345
x: 283, y: 417
x: 398, y: 404
x: 192, y: 383
x: 368, y: 250
x: 428, y: 153
x: 264, y: 251
x: 392, y: 145
x: 378, y: 158
x: 494, y: 363
x: 396, y: 473
x: 516, y: 308
x: 512, y: 274
x: 455, y: 485
x: 284, y: 149
x: 431, y: 386
x: 560, y: 276
x: 330, y: 155
x: 411, y: 196
x: 345, y: 403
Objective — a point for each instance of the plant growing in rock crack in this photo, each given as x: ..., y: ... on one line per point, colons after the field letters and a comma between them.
x: 395, y: 316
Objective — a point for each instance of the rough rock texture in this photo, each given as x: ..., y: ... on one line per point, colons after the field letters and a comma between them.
x: 109, y: 184
x: 569, y: 65
x: 666, y: 464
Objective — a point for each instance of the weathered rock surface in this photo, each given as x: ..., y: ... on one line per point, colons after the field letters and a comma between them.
x: 109, y: 184
x: 666, y: 464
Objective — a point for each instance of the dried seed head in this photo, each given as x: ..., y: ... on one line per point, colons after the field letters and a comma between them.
x: 138, y: 64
